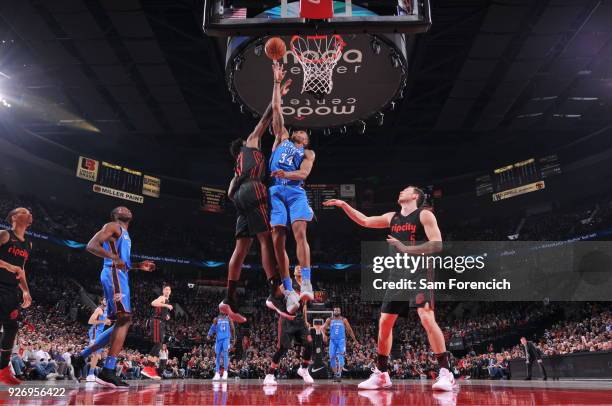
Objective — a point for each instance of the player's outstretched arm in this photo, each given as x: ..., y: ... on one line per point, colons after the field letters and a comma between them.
x: 383, y: 221
x: 278, y: 122
x: 432, y: 231
x: 300, y: 174
x: 254, y: 139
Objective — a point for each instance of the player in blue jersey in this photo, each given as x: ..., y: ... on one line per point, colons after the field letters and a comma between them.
x: 223, y: 329
x: 113, y: 244
x: 98, y: 320
x: 338, y: 327
x: 290, y: 164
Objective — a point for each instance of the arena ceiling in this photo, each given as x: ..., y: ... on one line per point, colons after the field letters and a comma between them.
x: 526, y: 75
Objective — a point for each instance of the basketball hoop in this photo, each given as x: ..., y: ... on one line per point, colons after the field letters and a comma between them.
x: 318, y: 55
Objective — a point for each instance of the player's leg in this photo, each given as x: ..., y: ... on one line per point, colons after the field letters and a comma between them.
x: 116, y: 285
x: 305, y: 340
x: 229, y: 305
x: 93, y: 363
x: 380, y: 377
x: 341, y: 352
x: 300, y: 214
x: 445, y: 380
x: 283, y: 343
x: 218, y: 355
x: 9, y: 328
x: 333, y: 356
x: 225, y: 350
x: 279, y: 218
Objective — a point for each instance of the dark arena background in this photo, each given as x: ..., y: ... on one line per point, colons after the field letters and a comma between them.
x: 123, y: 111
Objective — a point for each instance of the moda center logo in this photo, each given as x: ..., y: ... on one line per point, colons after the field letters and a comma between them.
x: 365, y: 79
x: 300, y: 108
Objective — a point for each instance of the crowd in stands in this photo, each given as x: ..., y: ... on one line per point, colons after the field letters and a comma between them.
x: 53, y: 329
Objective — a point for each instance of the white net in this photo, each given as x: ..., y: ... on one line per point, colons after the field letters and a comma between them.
x: 318, y: 56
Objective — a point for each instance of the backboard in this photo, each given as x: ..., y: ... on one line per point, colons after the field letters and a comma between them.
x: 282, y: 17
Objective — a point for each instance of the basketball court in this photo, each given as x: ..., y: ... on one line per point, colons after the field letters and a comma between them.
x: 293, y: 392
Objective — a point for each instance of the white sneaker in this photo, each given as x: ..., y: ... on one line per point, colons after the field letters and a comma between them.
x: 224, y: 377
x: 90, y: 378
x: 303, y: 372
x: 445, y: 381
x: 293, y: 301
x: 378, y: 380
x: 217, y: 377
x: 270, y: 380
x: 306, y: 292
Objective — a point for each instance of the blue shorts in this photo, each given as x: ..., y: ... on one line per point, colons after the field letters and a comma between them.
x: 116, y: 287
x: 336, y: 347
x: 288, y: 204
x: 222, y: 345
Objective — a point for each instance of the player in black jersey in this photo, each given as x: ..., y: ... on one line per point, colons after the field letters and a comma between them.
x: 15, y: 250
x: 250, y: 196
x: 161, y: 314
x: 412, y: 225
x: 289, y: 330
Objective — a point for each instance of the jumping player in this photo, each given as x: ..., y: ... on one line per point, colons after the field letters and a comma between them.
x: 288, y: 331
x: 113, y: 244
x: 161, y: 314
x: 250, y: 196
x: 412, y: 224
x: 98, y: 320
x: 290, y: 165
x: 223, y: 329
x: 338, y: 326
x: 15, y: 250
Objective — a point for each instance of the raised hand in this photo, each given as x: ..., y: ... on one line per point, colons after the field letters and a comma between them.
x: 279, y: 72
x: 334, y: 202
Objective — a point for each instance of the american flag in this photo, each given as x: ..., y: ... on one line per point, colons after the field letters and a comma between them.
x: 235, y: 13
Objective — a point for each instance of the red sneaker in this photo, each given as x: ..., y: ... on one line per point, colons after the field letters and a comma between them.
x: 150, y: 373
x: 7, y: 377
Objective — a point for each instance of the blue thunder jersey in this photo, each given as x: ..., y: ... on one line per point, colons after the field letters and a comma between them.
x: 287, y: 157
x: 336, y: 329
x: 123, y: 247
x: 223, y: 328
x: 96, y: 329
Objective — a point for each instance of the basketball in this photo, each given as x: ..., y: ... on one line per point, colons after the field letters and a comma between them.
x: 275, y: 48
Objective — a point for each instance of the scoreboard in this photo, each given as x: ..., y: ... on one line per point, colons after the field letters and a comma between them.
x: 117, y: 177
x: 518, y: 178
x: 318, y: 193
x: 118, y: 181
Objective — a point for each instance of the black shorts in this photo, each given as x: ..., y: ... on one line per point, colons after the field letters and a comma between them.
x: 10, y: 302
x: 409, y: 300
x: 402, y: 308
x: 290, y: 330
x: 251, y: 201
